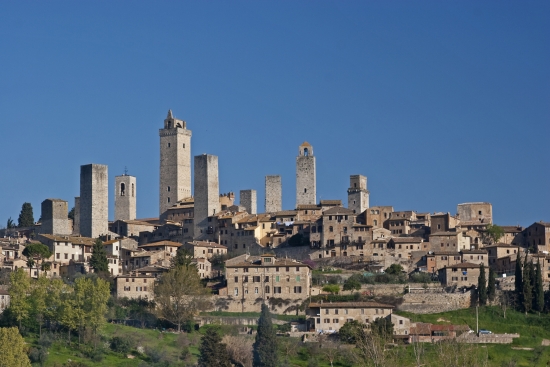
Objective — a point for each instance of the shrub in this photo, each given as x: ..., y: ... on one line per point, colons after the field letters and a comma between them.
x: 121, y: 344
x: 38, y: 355
x: 331, y: 288
x: 45, y: 340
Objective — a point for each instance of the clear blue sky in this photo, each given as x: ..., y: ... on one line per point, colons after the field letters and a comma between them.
x: 437, y: 102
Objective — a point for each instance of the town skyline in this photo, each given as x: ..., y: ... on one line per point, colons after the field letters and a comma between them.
x: 433, y: 118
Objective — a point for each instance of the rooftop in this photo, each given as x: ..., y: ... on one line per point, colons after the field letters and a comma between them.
x: 350, y: 305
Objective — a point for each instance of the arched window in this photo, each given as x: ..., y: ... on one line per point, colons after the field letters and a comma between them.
x: 122, y: 189
x: 306, y: 152
x: 168, y: 188
x: 330, y: 229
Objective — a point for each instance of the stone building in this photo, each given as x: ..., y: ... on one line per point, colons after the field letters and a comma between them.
x: 250, y: 278
x: 205, y: 249
x: 475, y: 212
x: 358, y: 195
x: 175, y: 162
x: 94, y: 200
x: 537, y: 236
x: 248, y: 200
x: 273, y: 194
x: 204, y: 267
x: 125, y: 197
x: 499, y: 251
x: 449, y: 241
x: 76, y: 221
x: 461, y: 275
x: 55, y: 217
x: 134, y: 286
x: 305, y: 175
x: 378, y: 216
x: 4, y: 300
x: 512, y: 235
x: 442, y: 222
x: 207, y: 192
x: 329, y: 317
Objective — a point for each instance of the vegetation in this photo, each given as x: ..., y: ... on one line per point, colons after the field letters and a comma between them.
x: 265, y: 346
x: 331, y: 288
x: 71, y: 213
x: 491, y: 287
x: 26, y: 217
x: 482, y: 286
x: 298, y: 240
x: 12, y: 349
x: 493, y: 234
x: 213, y: 353
x: 394, y: 269
x: 37, y: 253
x: 99, y: 261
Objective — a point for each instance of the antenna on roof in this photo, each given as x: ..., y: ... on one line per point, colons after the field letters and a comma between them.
x: 125, y: 171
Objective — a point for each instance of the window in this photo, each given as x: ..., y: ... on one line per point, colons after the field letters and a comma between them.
x: 236, y: 292
x: 256, y: 279
x: 335, y: 321
x: 236, y: 279
x: 336, y: 311
x: 297, y: 278
x: 168, y: 189
x: 255, y: 290
x: 298, y: 289
x: 266, y: 289
x: 326, y: 311
x: 267, y: 278
x: 277, y: 290
x: 277, y: 278
x: 330, y: 229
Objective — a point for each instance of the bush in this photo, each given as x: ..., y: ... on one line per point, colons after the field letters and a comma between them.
x: 154, y: 355
x: 284, y: 328
x: 352, y: 283
x: 121, y: 344
x: 394, y: 269
x: 38, y: 355
x: 331, y: 288
x: 421, y: 278
x: 46, y: 340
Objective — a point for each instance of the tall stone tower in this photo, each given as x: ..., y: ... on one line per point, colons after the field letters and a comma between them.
x: 55, y: 218
x: 207, y: 193
x: 358, y: 195
x: 94, y: 200
x: 76, y: 221
x: 175, y: 162
x: 125, y: 197
x: 248, y: 200
x: 273, y: 194
x: 305, y: 175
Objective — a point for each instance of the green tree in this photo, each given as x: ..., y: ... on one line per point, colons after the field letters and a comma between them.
x: 352, y: 283
x: 26, y: 218
x: 93, y: 294
x: 394, y: 269
x: 518, y: 282
x: 382, y: 327
x: 13, y: 351
x: 527, y: 288
x: 331, y: 288
x: 38, y: 300
x: 349, y: 331
x: 265, y: 345
x: 36, y: 253
x: 71, y: 214
x: 298, y: 240
x: 19, y: 295
x: 182, y: 258
x: 491, y: 287
x: 538, y: 290
x: 179, y: 295
x: 482, y: 286
x: 99, y: 261
x: 10, y: 224
x: 493, y: 234
x: 213, y: 353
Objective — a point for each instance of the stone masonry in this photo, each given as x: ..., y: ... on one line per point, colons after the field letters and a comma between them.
x: 305, y: 176
x: 248, y: 200
x: 358, y: 195
x: 55, y: 217
x: 207, y: 193
x: 273, y: 194
x: 175, y: 162
x: 94, y: 200
x: 125, y: 197
x: 76, y: 222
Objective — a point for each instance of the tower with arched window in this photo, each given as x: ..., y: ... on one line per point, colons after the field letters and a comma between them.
x: 358, y: 195
x: 305, y: 175
x: 125, y: 197
x: 175, y: 162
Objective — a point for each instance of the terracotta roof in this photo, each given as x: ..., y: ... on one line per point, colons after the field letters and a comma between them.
x: 474, y: 251
x: 330, y: 202
x: 307, y: 206
x: 206, y: 244
x: 455, y: 253
x: 254, y: 261
x: 350, y: 305
x: 406, y: 239
x: 338, y: 210
x: 511, y: 229
x: 305, y: 144
x: 463, y: 265
x: 161, y: 243
x: 445, y: 234
x: 500, y: 244
x: 284, y: 213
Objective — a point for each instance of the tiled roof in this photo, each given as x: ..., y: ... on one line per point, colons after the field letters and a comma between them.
x: 206, y: 244
x: 449, y: 233
x: 338, y: 210
x: 284, y: 213
x: 350, y: 305
x: 407, y: 239
x: 162, y: 243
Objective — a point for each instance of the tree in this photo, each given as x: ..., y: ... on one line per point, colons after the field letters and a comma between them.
x: 518, y: 282
x: 527, y: 288
x: 26, y: 218
x: 482, y: 286
x: 38, y: 299
x: 331, y: 288
x: 182, y: 258
x: 93, y: 294
x: 352, y: 283
x: 19, y: 290
x: 213, y: 353
x: 493, y: 234
x: 349, y: 331
x: 298, y: 240
x: 13, y: 350
x: 265, y: 345
x: 36, y: 253
x: 491, y: 287
x: 71, y: 214
x: 99, y: 261
x: 179, y: 295
x: 10, y: 224
x: 239, y: 349
x: 394, y: 269
x: 382, y: 327
x: 538, y: 299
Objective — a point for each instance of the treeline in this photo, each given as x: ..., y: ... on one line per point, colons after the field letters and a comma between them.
x: 528, y: 287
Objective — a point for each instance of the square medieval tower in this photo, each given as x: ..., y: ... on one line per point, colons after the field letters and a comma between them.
x: 305, y: 176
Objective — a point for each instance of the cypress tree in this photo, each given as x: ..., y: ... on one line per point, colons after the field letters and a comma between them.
x: 26, y: 218
x: 491, y: 287
x: 527, y: 289
x: 99, y: 261
x: 519, y: 282
x: 538, y: 301
x: 265, y: 346
x: 213, y: 351
x: 482, y: 286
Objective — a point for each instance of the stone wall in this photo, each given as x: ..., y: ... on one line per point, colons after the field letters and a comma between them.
x: 248, y: 200
x: 273, y: 194
x: 125, y: 197
x: 358, y: 195
x: 55, y: 217
x: 207, y: 192
x: 431, y: 302
x: 94, y: 200
x: 234, y: 304
x: 76, y: 223
x: 305, y: 177
x: 232, y: 320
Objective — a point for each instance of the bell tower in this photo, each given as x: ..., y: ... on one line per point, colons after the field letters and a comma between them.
x: 175, y: 162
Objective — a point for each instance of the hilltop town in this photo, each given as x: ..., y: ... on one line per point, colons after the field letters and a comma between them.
x: 286, y: 258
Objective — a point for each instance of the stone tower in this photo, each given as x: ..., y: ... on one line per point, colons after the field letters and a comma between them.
x: 248, y: 200
x: 94, y: 200
x: 207, y: 193
x: 125, y: 197
x: 358, y: 195
x: 175, y: 162
x: 76, y: 221
x: 305, y: 175
x: 273, y: 194
x: 55, y: 218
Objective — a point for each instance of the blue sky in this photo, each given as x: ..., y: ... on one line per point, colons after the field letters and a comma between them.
x: 437, y: 102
